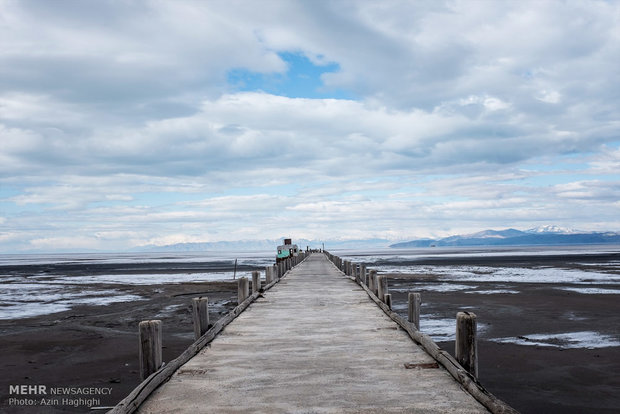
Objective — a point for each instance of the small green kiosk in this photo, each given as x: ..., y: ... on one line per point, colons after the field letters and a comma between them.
x: 286, y: 250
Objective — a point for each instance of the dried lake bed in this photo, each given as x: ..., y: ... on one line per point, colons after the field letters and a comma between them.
x: 548, y: 321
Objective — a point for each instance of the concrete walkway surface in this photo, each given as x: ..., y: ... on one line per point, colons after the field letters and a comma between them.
x: 315, y: 343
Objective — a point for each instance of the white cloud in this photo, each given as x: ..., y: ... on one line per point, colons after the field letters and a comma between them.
x: 118, y: 126
x: 552, y: 97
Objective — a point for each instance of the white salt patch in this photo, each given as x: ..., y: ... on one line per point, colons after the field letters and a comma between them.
x: 443, y: 287
x: 400, y: 306
x: 573, y: 317
x: 614, y: 264
x: 52, y: 298
x: 19, y: 311
x: 440, y: 330
x: 151, y: 279
x: 443, y: 329
x: 168, y: 310
x: 572, y: 340
x: 592, y: 291
x: 102, y: 301
x: 508, y: 274
x: 494, y: 292
x: 252, y: 258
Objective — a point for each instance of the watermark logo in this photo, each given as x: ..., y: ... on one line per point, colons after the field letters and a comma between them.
x: 43, y: 395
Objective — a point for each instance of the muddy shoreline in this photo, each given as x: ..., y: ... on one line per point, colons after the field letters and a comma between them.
x: 535, y: 378
x: 96, y: 346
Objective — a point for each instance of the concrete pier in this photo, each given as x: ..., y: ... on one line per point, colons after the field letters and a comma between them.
x: 315, y: 343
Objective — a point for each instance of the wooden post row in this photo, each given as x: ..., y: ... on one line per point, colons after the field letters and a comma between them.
x: 150, y: 351
x: 466, y: 345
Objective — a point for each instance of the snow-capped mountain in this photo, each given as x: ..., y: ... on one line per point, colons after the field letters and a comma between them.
x: 549, y: 228
x: 543, y: 235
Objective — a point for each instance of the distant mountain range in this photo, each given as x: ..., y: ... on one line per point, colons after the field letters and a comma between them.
x: 544, y: 235
x: 263, y: 245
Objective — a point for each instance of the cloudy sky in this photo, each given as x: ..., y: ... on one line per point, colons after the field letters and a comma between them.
x: 126, y: 123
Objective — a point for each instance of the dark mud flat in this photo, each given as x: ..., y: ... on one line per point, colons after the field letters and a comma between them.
x: 76, y: 268
x: 97, y: 346
x: 533, y: 378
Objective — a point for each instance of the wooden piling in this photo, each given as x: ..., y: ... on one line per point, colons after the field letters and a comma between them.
x: 200, y: 316
x: 371, y: 284
x: 466, y: 345
x: 414, y: 302
x: 150, y: 351
x: 243, y: 289
x: 379, y: 293
x: 268, y: 274
x: 256, y: 281
x: 382, y: 287
x: 387, y: 299
x: 373, y: 281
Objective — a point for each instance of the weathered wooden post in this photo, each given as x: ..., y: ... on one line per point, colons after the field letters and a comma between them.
x: 414, y: 302
x: 363, y: 274
x: 466, y: 345
x: 373, y: 282
x: 255, y: 281
x: 200, y: 315
x: 243, y: 289
x: 150, y: 347
x: 387, y: 298
x: 268, y: 277
x: 382, y: 287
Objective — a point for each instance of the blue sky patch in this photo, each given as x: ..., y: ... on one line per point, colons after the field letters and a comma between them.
x: 301, y: 80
